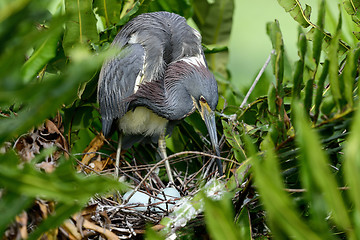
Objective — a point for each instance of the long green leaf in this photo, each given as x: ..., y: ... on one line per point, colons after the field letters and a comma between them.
x: 309, y: 90
x: 274, y: 32
x: 283, y: 218
x: 244, y: 224
x: 348, y: 78
x: 352, y: 170
x: 334, y: 73
x: 320, y: 89
x: 316, y: 167
x: 318, y: 35
x: 297, y: 80
x: 277, y: 128
x: 219, y: 219
x: 63, y: 185
x: 81, y: 26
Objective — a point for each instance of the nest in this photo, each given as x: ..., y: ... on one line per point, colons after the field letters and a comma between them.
x: 126, y: 220
x: 104, y: 216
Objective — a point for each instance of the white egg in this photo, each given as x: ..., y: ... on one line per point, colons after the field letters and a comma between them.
x: 170, y: 194
x: 137, y: 198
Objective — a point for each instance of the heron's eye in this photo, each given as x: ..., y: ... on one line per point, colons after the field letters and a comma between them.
x: 202, y: 99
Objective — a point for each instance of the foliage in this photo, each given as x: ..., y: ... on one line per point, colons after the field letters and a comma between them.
x: 292, y: 163
x: 309, y: 117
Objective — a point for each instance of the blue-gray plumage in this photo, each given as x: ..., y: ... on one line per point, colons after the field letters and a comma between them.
x: 159, y: 77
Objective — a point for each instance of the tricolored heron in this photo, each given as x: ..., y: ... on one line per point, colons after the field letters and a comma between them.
x: 159, y: 77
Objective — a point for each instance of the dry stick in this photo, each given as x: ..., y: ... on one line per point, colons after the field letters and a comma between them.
x: 194, y: 175
x: 257, y: 79
x: 148, y: 166
x: 89, y: 225
x: 165, y: 159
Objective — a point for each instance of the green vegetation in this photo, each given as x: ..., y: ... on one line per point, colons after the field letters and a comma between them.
x: 292, y: 168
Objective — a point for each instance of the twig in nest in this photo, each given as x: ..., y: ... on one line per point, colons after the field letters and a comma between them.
x: 163, y: 160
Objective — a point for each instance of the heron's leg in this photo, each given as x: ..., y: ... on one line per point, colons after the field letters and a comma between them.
x: 162, y: 148
x: 118, y: 153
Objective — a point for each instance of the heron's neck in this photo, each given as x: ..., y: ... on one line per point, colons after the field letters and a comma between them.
x: 168, y: 98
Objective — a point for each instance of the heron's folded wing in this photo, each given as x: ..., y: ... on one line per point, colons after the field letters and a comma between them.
x: 117, y: 82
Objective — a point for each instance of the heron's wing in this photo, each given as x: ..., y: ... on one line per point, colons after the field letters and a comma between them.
x: 117, y: 81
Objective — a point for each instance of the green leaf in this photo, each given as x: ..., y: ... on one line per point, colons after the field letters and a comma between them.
x: 297, y: 80
x: 62, y: 212
x: 219, y: 219
x: 181, y: 7
x: 63, y: 185
x: 303, y: 18
x: 234, y: 140
x: 153, y: 235
x: 357, y: 35
x: 11, y: 204
x: 272, y: 99
x: 293, y: 7
x: 352, y: 170
x: 214, y: 21
x: 109, y: 10
x: 351, y: 7
x: 282, y: 215
x: 334, y: 72
x: 244, y: 224
x: 42, y: 99
x: 299, y: 72
x: 320, y: 89
x: 127, y: 13
x: 42, y: 55
x: 239, y: 176
x: 19, y: 35
x: 348, y: 78
x: 309, y: 89
x: 81, y: 26
x: 318, y: 35
x: 175, y: 142
x: 302, y: 45
x: 22, y: 184
x: 11, y: 8
x: 315, y: 167
x: 274, y: 32
x: 276, y: 99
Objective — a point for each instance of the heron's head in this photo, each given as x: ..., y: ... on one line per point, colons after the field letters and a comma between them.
x: 202, y: 87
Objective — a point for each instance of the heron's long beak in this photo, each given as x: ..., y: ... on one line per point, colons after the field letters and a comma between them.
x: 209, y: 118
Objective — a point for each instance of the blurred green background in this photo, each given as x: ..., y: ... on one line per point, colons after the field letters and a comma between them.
x: 249, y: 44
